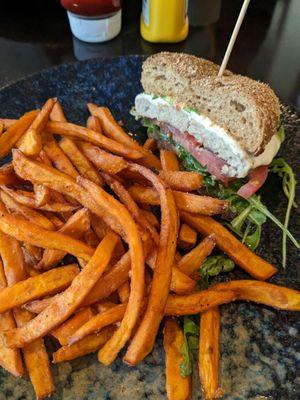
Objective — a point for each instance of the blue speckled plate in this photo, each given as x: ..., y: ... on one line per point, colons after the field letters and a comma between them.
x: 259, y: 346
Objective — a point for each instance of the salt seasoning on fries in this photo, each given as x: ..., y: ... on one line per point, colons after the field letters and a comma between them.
x: 55, y: 203
x: 144, y: 339
x: 82, y: 133
x: 68, y: 301
x: 184, y: 181
x: 185, y: 201
x: 88, y: 345
x: 115, y: 131
x: 35, y: 355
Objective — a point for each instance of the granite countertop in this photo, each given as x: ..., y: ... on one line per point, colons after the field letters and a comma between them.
x: 35, y: 35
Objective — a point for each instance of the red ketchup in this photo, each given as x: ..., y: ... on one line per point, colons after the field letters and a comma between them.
x: 94, y: 21
x: 92, y: 8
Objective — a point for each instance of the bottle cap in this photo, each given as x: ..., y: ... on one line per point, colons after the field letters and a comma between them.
x: 95, y: 30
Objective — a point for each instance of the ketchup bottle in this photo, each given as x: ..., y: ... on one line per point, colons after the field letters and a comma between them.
x: 94, y: 21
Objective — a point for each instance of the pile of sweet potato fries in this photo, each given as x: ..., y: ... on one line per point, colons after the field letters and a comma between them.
x: 89, y: 195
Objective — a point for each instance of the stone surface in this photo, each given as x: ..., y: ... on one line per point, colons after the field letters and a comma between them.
x: 259, y: 347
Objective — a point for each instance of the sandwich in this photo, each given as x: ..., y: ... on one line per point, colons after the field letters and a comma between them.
x: 224, y: 126
x: 227, y: 128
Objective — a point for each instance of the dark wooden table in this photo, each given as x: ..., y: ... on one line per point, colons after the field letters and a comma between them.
x: 35, y: 35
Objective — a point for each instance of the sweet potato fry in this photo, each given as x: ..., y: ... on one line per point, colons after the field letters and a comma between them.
x: 185, y: 181
x: 28, y: 199
x: 99, y: 321
x: 37, y: 172
x: 7, y: 175
x: 191, y: 262
x: 131, y: 206
x: 118, y: 211
x: 94, y: 124
x: 10, y: 359
x: 198, y: 302
x: 132, y: 177
x: 104, y: 305
x: 42, y: 195
x: 10, y: 137
x: 58, y: 157
x: 68, y: 328
x: 67, y: 302
x: 30, y: 271
x: 82, y: 133
x: 143, y: 341
x: 111, y: 281
x: 35, y: 252
x: 113, y: 130
x: 85, y: 346
x: 152, y: 219
x: 101, y: 159
x: 169, y: 160
x: 107, y: 285
x: 42, y: 192
x: 99, y: 226
x: 33, y: 234
x: 56, y: 221
x: 180, y: 282
x: 275, y: 296
x: 177, y: 387
x: 75, y: 227
x: 237, y: 251
x: 80, y: 162
x: 185, y: 201
x: 57, y: 113
x: 12, y: 257
x: 35, y: 355
x: 1, y: 128
x: 28, y: 213
x: 187, y: 237
x: 30, y: 143
x: 124, y: 292
x: 42, y: 285
x: 209, y: 355
x: 91, y: 238
x: 8, y: 122
x: 150, y: 144
x: 36, y: 360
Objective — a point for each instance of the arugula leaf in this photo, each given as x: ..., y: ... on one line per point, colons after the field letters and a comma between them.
x: 280, y: 167
x: 191, y: 340
x: 255, y: 201
x: 213, y: 266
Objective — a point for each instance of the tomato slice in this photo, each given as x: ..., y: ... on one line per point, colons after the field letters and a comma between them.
x: 257, y: 178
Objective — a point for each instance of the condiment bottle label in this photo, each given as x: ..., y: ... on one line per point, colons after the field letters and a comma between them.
x: 146, y: 12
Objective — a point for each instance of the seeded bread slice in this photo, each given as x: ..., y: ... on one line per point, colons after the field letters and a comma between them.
x: 249, y: 110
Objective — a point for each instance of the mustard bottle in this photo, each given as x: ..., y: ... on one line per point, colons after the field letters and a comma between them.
x: 164, y: 21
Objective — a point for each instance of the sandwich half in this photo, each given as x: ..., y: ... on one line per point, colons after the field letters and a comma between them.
x: 224, y: 126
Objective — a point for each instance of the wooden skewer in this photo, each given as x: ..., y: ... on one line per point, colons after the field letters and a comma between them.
x: 233, y: 37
